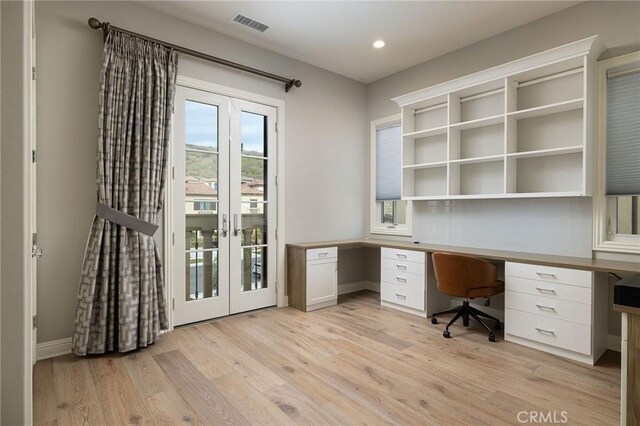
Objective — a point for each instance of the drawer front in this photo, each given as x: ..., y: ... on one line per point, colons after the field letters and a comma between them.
x: 551, y: 331
x: 550, y: 290
x: 548, y: 307
x: 397, y: 254
x: 408, y: 296
x: 322, y: 253
x: 402, y: 278
x: 403, y: 266
x: 549, y: 274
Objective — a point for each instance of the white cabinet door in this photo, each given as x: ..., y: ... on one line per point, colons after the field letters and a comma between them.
x: 322, y: 283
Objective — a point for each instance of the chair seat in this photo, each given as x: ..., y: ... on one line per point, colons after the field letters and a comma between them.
x: 492, y: 289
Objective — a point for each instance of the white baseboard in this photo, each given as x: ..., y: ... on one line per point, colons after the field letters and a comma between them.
x: 358, y: 286
x: 53, y: 348
x: 614, y: 342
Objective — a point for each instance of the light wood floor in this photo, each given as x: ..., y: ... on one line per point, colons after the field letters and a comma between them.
x: 356, y: 363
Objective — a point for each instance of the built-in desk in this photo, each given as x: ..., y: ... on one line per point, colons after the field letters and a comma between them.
x: 582, y: 263
x: 558, y: 304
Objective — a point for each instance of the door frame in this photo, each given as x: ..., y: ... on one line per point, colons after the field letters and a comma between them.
x: 279, y: 105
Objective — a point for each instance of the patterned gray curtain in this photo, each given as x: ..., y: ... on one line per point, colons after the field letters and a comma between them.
x: 121, y: 304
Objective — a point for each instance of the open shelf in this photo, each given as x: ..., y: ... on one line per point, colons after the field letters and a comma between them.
x: 426, y: 165
x: 427, y: 132
x: 546, y: 152
x: 487, y: 121
x: 548, y: 109
x: 487, y: 159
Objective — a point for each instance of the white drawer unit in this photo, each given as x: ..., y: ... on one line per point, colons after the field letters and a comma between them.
x: 407, y: 282
x: 322, y: 253
x: 549, y: 274
x: 549, y: 307
x: 552, y: 290
x: 402, y: 278
x: 321, y: 278
x: 549, y: 331
x: 409, y: 296
x: 407, y: 255
x: 402, y: 266
x: 557, y: 310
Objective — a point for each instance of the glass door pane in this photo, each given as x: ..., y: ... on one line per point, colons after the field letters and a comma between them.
x: 201, y: 191
x: 254, y: 147
x: 201, y: 200
x: 252, y: 203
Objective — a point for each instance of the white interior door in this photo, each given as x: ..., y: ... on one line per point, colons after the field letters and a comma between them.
x: 253, y: 206
x: 223, y: 207
x: 200, y: 206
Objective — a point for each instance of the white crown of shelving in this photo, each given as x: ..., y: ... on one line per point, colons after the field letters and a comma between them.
x: 589, y: 46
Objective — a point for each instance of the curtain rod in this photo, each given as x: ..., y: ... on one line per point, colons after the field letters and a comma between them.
x: 106, y: 27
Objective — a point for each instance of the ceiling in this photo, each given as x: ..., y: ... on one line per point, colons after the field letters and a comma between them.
x: 338, y: 35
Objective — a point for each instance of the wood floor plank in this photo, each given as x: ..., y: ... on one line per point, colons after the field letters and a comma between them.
x: 121, y: 403
x: 78, y: 402
x: 257, y: 374
x: 255, y: 406
x: 354, y: 363
x: 44, y: 393
x: 147, y: 377
x: 169, y: 408
x: 198, y: 392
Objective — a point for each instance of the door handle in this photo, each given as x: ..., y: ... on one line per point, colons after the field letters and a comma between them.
x: 225, y: 225
x: 235, y: 225
x: 36, y: 252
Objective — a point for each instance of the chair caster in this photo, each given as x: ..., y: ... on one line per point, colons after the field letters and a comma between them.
x: 446, y: 334
x: 434, y: 320
x: 498, y: 326
x: 492, y: 337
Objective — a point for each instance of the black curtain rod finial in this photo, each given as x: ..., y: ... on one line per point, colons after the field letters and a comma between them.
x: 96, y: 24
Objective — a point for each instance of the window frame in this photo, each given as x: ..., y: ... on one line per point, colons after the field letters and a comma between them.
x: 375, y: 207
x: 603, y: 206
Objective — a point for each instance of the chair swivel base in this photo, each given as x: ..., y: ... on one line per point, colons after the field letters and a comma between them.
x: 464, y: 311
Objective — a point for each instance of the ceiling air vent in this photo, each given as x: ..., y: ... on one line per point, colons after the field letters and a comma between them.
x: 248, y: 22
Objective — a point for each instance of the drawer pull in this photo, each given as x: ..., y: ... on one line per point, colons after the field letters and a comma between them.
x: 542, y: 330
x: 548, y: 308
x: 401, y: 256
x: 403, y: 267
x: 402, y: 280
x: 323, y: 254
x: 546, y: 275
x: 547, y: 290
x: 401, y: 296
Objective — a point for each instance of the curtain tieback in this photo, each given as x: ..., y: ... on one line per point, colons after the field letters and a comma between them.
x: 126, y: 220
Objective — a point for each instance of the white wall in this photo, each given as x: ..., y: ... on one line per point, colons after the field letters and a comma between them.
x: 554, y: 226
x: 325, y: 137
x: 12, y: 368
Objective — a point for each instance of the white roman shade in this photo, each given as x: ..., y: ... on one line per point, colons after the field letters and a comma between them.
x: 388, y: 164
x: 623, y: 133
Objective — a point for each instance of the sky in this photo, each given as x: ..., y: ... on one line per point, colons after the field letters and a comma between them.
x: 202, y: 127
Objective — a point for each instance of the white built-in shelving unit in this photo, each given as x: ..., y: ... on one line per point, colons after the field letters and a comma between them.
x: 522, y: 129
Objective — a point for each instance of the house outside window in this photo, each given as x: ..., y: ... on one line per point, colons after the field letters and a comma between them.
x: 389, y: 214
x: 617, y: 181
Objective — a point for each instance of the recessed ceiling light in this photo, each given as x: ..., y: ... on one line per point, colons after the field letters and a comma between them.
x: 378, y: 44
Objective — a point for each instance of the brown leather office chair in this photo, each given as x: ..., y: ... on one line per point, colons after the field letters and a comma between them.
x: 467, y: 277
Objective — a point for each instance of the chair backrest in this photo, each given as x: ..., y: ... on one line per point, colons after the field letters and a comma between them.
x: 457, y: 274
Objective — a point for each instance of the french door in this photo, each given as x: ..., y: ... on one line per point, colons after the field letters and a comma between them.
x: 223, y: 207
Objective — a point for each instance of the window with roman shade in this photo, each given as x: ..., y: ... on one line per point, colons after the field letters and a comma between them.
x: 623, y: 132
x: 389, y: 214
x: 388, y: 163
